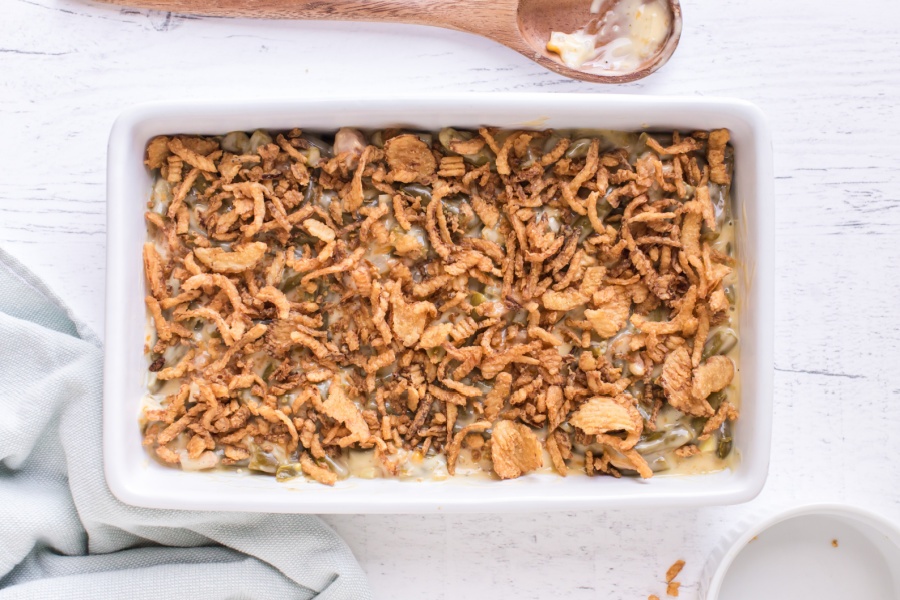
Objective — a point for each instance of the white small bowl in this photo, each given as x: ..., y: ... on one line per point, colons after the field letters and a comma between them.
x: 821, y: 551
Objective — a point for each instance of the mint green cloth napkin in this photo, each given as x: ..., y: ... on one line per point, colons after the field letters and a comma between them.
x: 64, y: 535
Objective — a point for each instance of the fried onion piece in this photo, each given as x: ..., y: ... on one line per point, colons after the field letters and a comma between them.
x: 198, y: 161
x: 611, y: 315
x: 409, y: 319
x: 409, y: 158
x: 345, y: 265
x: 677, y: 385
x: 320, y: 230
x: 221, y: 281
x: 563, y: 301
x: 556, y: 457
x: 469, y: 391
x: 435, y: 335
x: 320, y: 474
x: 494, y: 364
x: 467, y: 147
x: 154, y: 272
x: 157, y: 152
x: 456, y: 445
x: 163, y: 331
x: 600, y: 416
x: 340, y: 408
x: 682, y: 320
x: 354, y: 198
x: 515, y: 450
x: 713, y: 375
x: 242, y: 258
x: 276, y: 297
x: 686, y: 145
x: 497, y: 397
x: 715, y: 154
x: 630, y: 459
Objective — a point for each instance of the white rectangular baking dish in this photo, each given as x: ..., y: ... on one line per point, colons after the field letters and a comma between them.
x: 138, y: 480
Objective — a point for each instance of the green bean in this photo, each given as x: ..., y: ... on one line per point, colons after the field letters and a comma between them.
x: 552, y: 140
x: 369, y: 194
x: 200, y: 184
x: 584, y: 224
x: 312, y: 156
x: 448, y: 134
x: 260, y: 460
x: 729, y: 293
x: 709, y: 235
x: 377, y: 139
x: 476, y: 299
x: 642, y: 140
x: 237, y: 142
x: 661, y: 441
x: 658, y: 314
x: 309, y: 195
x: 721, y: 342
x: 578, y: 148
x: 716, y: 398
x: 529, y: 159
x: 478, y: 160
x: 419, y: 191
x: 267, y: 372
x: 603, y: 209
x: 259, y: 138
x: 288, y: 472
x: 337, y: 466
x: 156, y: 385
x: 697, y: 424
x: 291, y: 283
x: 726, y: 440
x: 326, y: 149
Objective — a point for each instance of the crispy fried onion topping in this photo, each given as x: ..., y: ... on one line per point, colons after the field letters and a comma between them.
x: 478, y: 296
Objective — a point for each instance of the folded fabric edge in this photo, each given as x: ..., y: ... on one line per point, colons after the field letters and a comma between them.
x: 16, y: 269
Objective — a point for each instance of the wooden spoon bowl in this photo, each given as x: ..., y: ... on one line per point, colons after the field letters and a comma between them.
x: 523, y: 25
x: 537, y: 19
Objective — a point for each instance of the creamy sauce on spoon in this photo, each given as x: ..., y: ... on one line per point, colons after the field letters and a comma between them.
x: 621, y: 39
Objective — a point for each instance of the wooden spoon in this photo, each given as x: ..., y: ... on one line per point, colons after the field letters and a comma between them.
x: 523, y: 25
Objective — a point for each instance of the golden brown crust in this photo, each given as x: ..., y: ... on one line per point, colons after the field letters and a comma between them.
x: 307, y: 302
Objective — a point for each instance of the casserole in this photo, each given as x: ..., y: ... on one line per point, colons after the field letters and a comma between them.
x: 136, y: 479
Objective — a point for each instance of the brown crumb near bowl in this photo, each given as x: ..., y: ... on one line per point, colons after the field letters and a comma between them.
x: 672, y: 588
x: 652, y: 597
x: 674, y: 570
x: 834, y: 543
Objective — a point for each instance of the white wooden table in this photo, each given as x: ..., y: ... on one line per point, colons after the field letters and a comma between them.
x: 827, y: 74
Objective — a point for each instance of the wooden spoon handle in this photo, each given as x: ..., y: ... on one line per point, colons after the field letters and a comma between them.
x: 465, y: 15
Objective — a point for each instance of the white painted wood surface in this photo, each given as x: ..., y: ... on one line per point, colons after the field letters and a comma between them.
x: 827, y: 74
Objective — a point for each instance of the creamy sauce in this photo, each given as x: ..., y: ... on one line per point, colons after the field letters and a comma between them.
x: 620, y: 40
